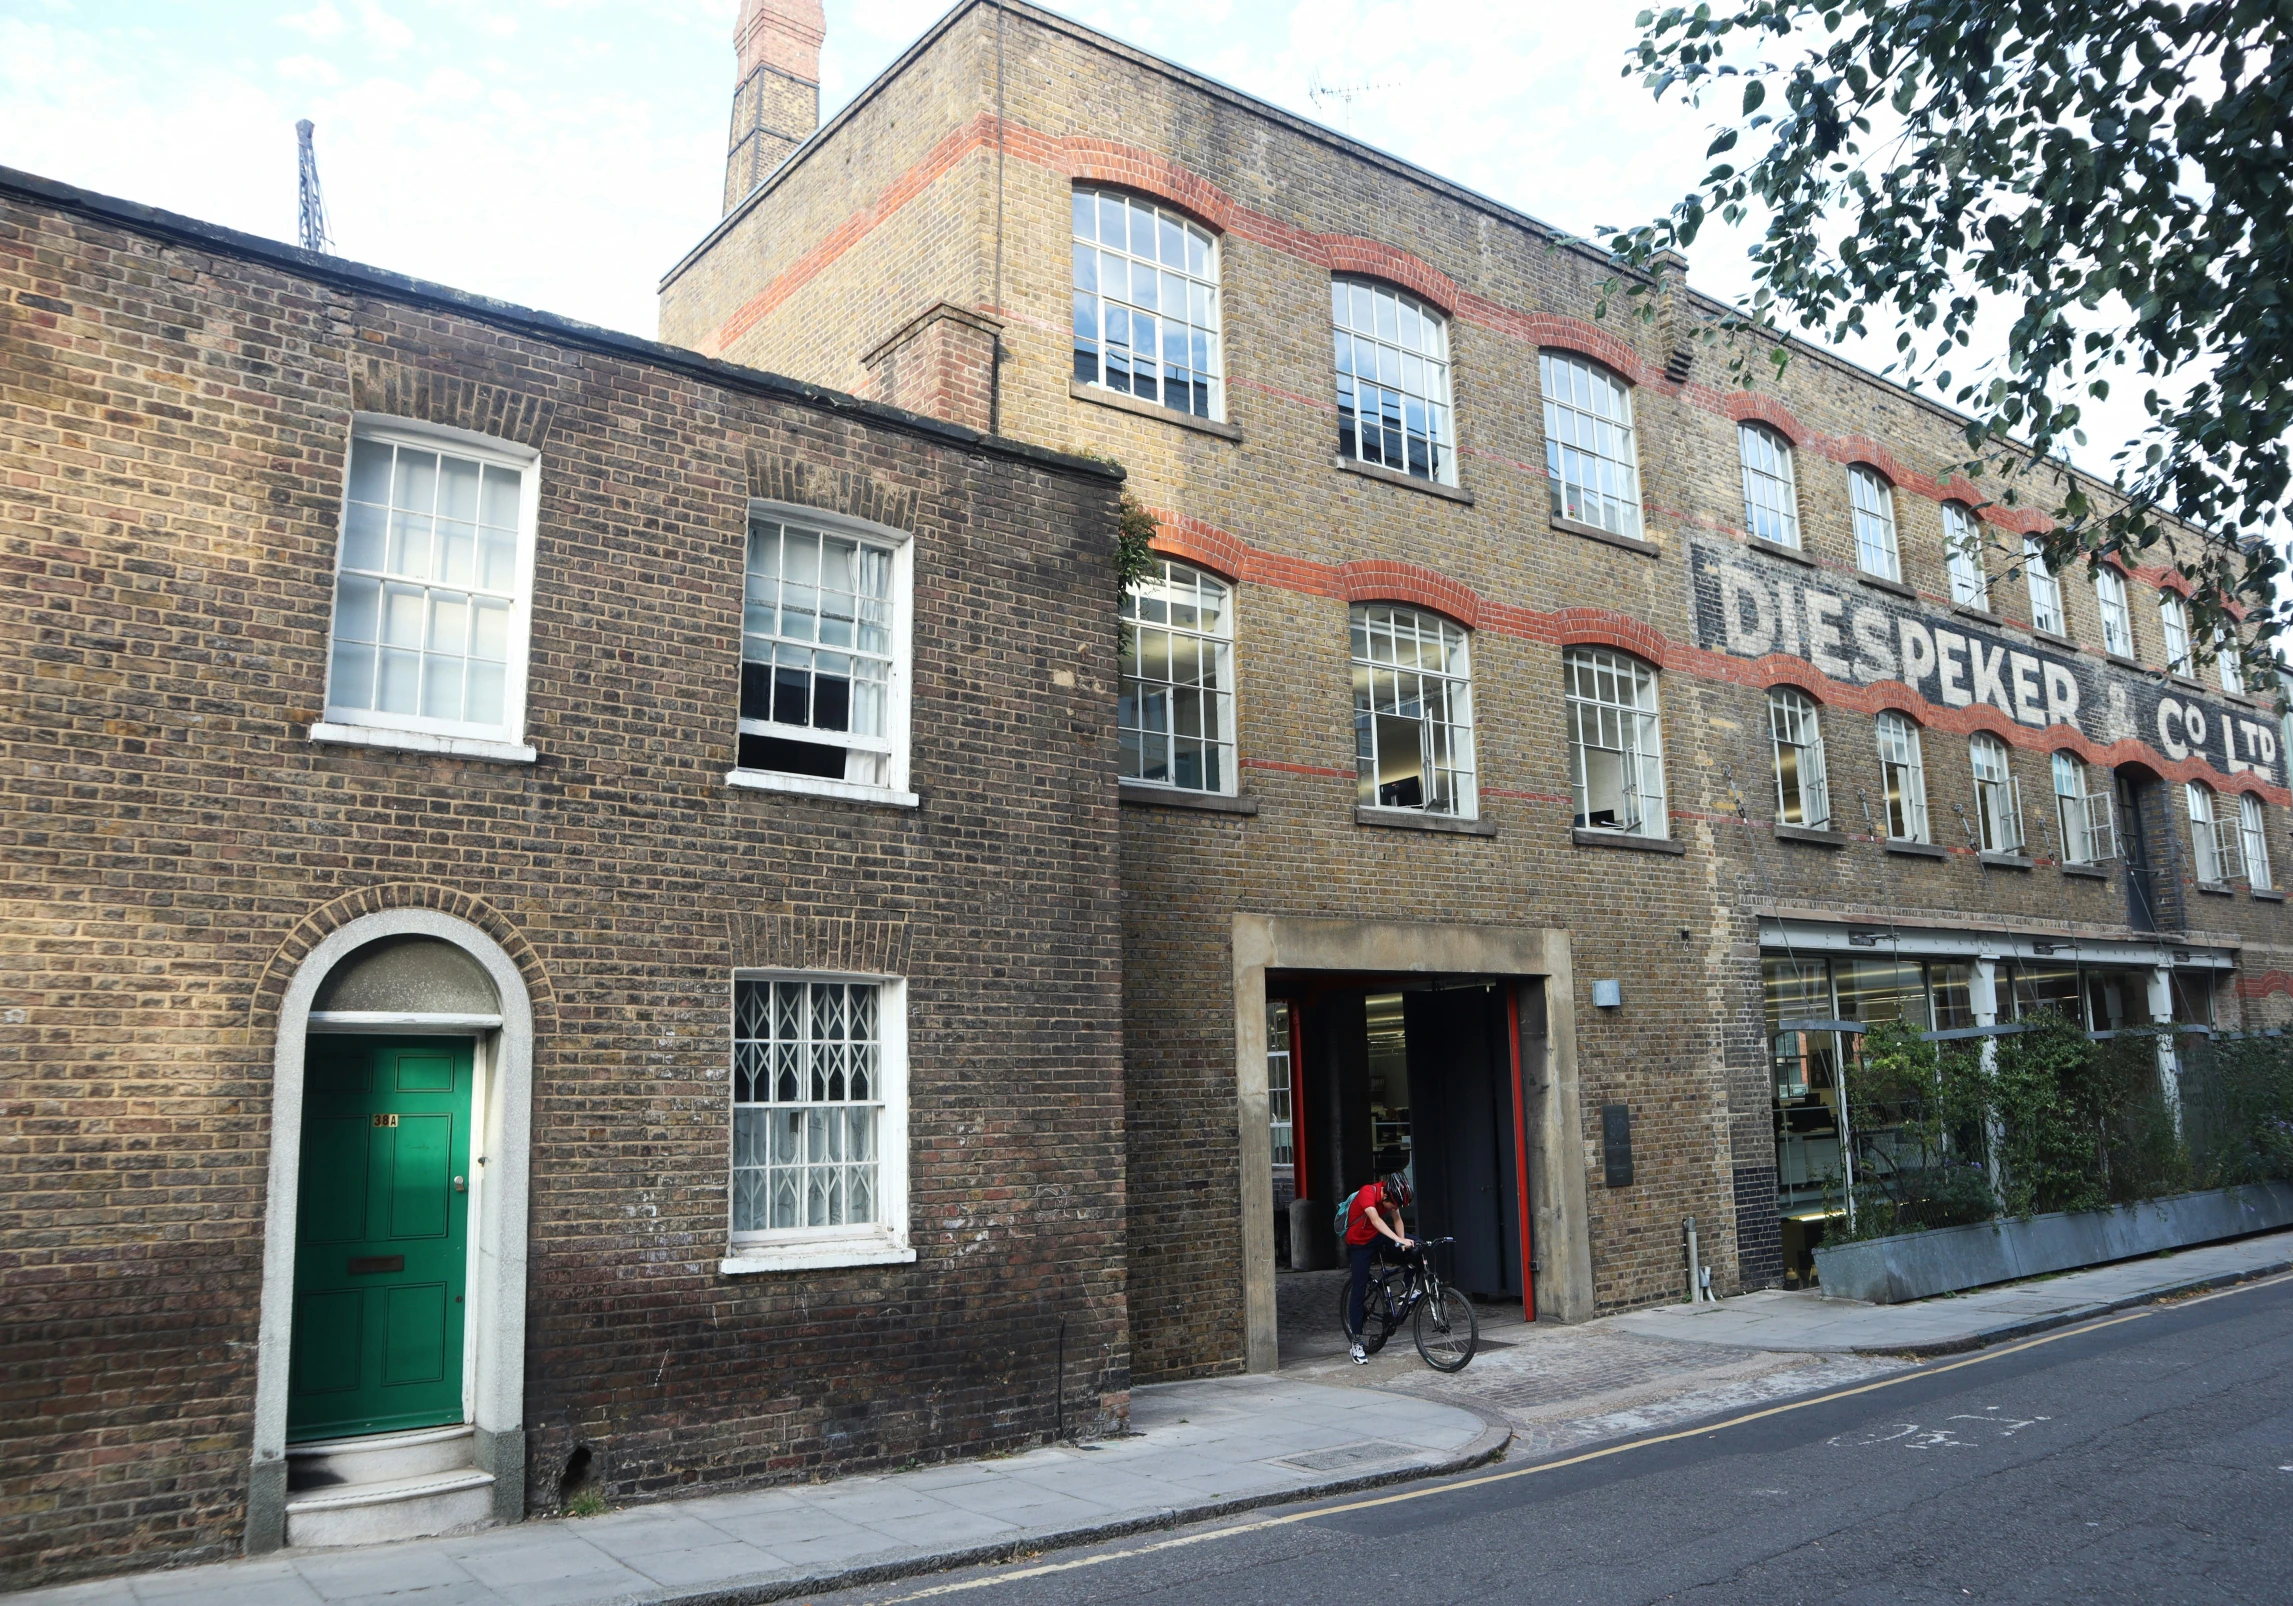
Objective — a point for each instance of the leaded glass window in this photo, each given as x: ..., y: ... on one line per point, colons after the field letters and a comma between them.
x: 808, y: 1101
x: 1413, y: 711
x: 1393, y: 381
x: 1146, y: 303
x: 1175, y: 717
x: 1590, y: 460
x: 1616, y: 747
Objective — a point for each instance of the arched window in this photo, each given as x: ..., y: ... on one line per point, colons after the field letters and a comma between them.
x: 1413, y: 711
x: 1903, y: 777
x: 2173, y: 621
x: 1146, y: 304
x: 2045, y: 590
x: 2089, y: 828
x: 1771, y: 494
x: 1998, y: 799
x: 2110, y: 603
x: 1962, y: 556
x: 1175, y: 717
x: 1803, y: 794
x: 1872, y: 500
x: 1393, y: 381
x: 1589, y: 455
x: 2213, y: 841
x: 1616, y: 748
x: 2253, y: 836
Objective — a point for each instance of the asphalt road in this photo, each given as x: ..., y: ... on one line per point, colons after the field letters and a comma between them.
x: 2145, y: 1458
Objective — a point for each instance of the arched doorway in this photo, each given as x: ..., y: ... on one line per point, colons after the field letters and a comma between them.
x: 390, y: 1377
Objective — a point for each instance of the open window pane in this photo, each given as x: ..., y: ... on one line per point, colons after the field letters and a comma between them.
x: 1616, y: 751
x: 1413, y: 711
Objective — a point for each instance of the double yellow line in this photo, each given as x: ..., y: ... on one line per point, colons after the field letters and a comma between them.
x: 1432, y: 1491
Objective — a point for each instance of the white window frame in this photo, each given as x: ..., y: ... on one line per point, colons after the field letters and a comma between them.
x: 1771, y: 484
x: 2089, y: 821
x: 1281, y: 1118
x: 1166, y: 581
x: 2226, y: 650
x: 2117, y: 620
x: 2173, y: 622
x: 1416, y: 377
x: 1871, y: 501
x: 1900, y: 755
x: 1579, y: 434
x: 884, y: 1241
x: 1795, y: 728
x: 1962, y: 556
x: 2213, y: 842
x: 2253, y: 835
x: 364, y: 727
x: 2046, y: 614
x: 894, y: 744
x: 1457, y: 647
x: 1632, y: 730
x: 1204, y: 320
x: 1998, y: 795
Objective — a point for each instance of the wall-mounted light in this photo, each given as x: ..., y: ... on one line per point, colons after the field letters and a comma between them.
x: 1608, y: 994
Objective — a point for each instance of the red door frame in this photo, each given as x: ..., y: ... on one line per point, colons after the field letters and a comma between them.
x: 1521, y: 1158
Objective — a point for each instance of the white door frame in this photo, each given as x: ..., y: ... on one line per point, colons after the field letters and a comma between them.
x: 495, y: 1382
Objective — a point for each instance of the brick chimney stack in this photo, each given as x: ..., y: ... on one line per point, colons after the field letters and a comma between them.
x: 777, y: 105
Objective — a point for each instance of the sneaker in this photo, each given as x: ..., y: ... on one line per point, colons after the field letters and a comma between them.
x: 1359, y: 1359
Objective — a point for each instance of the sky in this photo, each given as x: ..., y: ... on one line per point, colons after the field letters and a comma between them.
x: 563, y: 154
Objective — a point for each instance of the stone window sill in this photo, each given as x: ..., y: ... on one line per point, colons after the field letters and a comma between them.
x: 1776, y: 549
x: 2217, y: 889
x: 1626, y: 840
x: 2091, y: 872
x: 1408, y: 482
x: 1593, y: 532
x: 404, y: 741
x: 2049, y: 636
x: 2006, y: 861
x: 2187, y: 682
x: 2266, y: 895
x: 1968, y: 610
x: 1809, y: 833
x: 2121, y: 660
x: 1914, y: 850
x: 1879, y: 582
x: 820, y: 786
x: 1171, y: 797
x: 1099, y: 397
x: 879, y: 1248
x: 1414, y: 820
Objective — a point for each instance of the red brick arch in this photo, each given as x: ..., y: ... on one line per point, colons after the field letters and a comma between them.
x: 1126, y: 167
x: 316, y: 925
x: 1374, y: 259
x: 1207, y: 546
x: 1777, y: 670
x: 1387, y: 580
x: 1751, y: 407
x: 1587, y: 340
x: 1597, y: 627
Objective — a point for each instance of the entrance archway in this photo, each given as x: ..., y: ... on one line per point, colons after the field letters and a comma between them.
x: 420, y: 974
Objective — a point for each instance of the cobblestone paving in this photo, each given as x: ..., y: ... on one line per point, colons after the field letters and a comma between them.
x: 1560, y: 1387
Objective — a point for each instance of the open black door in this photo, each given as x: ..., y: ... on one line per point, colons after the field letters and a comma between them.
x: 1460, y: 1082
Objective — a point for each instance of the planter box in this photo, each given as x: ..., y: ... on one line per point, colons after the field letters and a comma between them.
x: 1914, y: 1265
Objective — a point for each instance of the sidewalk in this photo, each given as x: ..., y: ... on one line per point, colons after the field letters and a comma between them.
x: 1807, y: 1323
x: 1196, y: 1450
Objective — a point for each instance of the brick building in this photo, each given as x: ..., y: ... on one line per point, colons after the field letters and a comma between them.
x: 1525, y: 719
x: 561, y: 911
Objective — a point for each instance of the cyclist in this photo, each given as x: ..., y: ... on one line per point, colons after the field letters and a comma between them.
x: 1373, y: 1213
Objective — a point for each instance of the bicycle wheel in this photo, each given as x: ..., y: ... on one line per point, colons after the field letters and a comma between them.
x: 1446, y: 1330
x: 1377, y: 1316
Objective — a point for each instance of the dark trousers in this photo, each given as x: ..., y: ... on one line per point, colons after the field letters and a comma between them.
x: 1360, y: 1255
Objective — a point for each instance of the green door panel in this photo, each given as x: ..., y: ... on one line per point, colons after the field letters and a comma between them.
x: 381, y: 1248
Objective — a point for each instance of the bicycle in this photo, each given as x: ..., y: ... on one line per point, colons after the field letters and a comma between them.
x: 1442, y: 1320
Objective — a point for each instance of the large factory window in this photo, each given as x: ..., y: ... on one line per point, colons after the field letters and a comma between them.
x: 1873, y: 502
x: 1413, y: 711
x: 1998, y: 796
x: 1903, y: 778
x: 1616, y: 750
x: 1771, y: 494
x: 1175, y: 719
x: 1803, y: 795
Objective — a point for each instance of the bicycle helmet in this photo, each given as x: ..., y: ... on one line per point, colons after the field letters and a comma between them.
x: 1397, y: 1191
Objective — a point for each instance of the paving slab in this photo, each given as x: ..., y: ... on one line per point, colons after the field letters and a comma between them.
x: 1806, y: 1322
x: 1197, y: 1449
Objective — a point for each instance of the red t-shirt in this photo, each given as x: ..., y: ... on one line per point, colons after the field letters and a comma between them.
x: 1359, y: 1231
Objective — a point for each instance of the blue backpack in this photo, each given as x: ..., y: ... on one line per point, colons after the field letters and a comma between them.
x: 1345, y: 1209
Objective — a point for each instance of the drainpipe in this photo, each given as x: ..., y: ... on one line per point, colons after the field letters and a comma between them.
x: 1984, y: 997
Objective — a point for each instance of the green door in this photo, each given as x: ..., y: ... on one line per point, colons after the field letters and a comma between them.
x: 380, y: 1246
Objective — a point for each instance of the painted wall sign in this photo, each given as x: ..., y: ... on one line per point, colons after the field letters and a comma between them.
x: 1749, y: 605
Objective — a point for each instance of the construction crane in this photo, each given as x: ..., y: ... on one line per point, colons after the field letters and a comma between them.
x: 315, y: 235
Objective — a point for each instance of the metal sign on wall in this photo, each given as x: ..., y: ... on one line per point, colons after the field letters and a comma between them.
x: 1749, y: 605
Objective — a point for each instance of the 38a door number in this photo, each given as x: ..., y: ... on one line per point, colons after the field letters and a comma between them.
x: 386, y: 1120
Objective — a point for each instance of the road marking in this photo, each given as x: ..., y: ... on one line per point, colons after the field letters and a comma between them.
x: 1182, y: 1541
